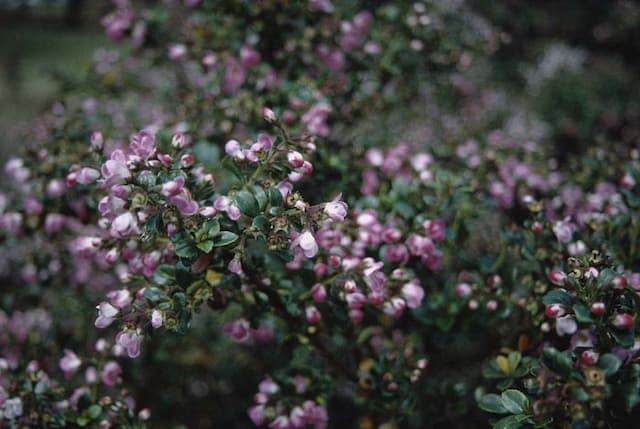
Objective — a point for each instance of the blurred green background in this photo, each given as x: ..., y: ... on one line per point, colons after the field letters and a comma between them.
x: 39, y: 40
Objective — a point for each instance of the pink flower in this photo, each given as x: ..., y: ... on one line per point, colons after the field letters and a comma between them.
x: 124, y: 226
x: 87, y: 175
x: 268, y: 386
x: 249, y: 56
x: 435, y: 229
x: 281, y: 422
x: 563, y: 230
x: 110, y: 373
x: 566, y: 325
x: 413, y: 293
x: 130, y: 341
x: 172, y: 187
x: 120, y: 298
x: 156, y: 319
x: 336, y: 209
x: 239, y: 330
x: 177, y: 51
x: 106, y: 315
x: 307, y: 243
x: 115, y: 170
x: 397, y: 253
x: 256, y: 414
x: 70, y: 363
x: 462, y: 290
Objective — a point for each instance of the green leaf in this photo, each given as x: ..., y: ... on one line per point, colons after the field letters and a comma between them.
x: 275, y: 197
x: 247, y: 203
x: 605, y: 277
x: 492, y: 403
x: 186, y: 249
x: 511, y: 422
x: 582, y: 312
x: 514, y: 401
x: 260, y: 222
x: 225, y: 238
x: 557, y: 296
x: 206, y: 246
x: 213, y: 227
x: 260, y: 196
x: 163, y: 275
x: 623, y: 338
x: 559, y: 362
x: 610, y: 363
x: 514, y: 360
x: 94, y: 411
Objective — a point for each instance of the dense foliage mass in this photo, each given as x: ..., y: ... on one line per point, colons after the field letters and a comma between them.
x: 328, y: 214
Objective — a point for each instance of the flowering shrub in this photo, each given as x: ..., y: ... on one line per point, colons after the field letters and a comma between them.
x: 271, y: 235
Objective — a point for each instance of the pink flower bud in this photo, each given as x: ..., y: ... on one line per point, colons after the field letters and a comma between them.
x: 186, y: 160
x: 557, y: 277
x: 589, y: 357
x: 554, y: 310
x: 313, y: 315
x: 598, y: 308
x: 462, y: 290
x: 619, y: 282
x: 627, y: 181
x: 239, y: 330
x: 97, y: 140
x: 269, y: 116
x: 623, y: 321
x: 319, y: 293
x: 144, y: 414
x: 178, y: 141
x: 295, y: 158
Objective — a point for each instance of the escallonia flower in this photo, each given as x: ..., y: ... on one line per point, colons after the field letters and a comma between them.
x: 106, y: 315
x: 70, y: 363
x: 130, y: 340
x: 307, y: 242
x: 336, y: 209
